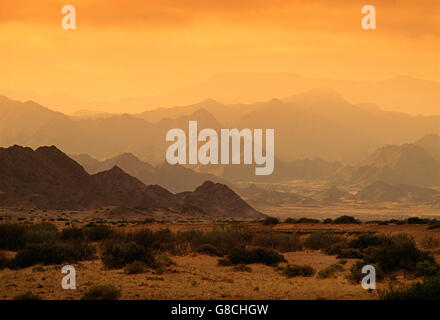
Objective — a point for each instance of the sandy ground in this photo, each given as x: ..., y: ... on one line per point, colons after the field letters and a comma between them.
x: 198, y: 276
x: 193, y: 277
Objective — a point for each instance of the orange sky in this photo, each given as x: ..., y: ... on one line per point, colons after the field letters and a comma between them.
x: 133, y: 48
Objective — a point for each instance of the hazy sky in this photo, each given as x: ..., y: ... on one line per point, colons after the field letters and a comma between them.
x: 133, y: 48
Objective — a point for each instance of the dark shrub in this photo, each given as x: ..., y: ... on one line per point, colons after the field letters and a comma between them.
x: 117, y: 254
x: 321, y: 240
x: 242, y: 268
x: 293, y: 270
x: 301, y: 220
x: 53, y: 253
x: 426, y: 268
x: 307, y: 220
x: 208, y: 249
x: 255, y: 255
x: 73, y: 234
x: 434, y: 226
x: 223, y: 240
x: 346, y: 220
x: 399, y: 252
x: 224, y: 262
x: 27, y: 296
x: 159, y: 241
x: 429, y: 289
x: 330, y: 270
x: 270, y: 221
x: 367, y: 240
x: 135, y: 268
x: 42, y: 232
x: 327, y: 221
x: 416, y: 220
x: 279, y: 241
x: 102, y: 292
x: 4, y: 261
x: 95, y: 232
x: 349, y: 253
x: 12, y: 236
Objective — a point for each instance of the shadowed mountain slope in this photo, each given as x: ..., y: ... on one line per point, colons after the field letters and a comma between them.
x: 48, y: 178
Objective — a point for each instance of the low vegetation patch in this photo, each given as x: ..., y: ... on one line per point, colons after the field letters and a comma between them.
x: 117, y: 254
x: 53, y: 253
x: 282, y: 242
x: 293, y: 270
x: 428, y: 289
x: 135, y: 268
x: 346, y: 220
x: 242, y: 268
x: 255, y: 255
x: 102, y: 292
x: 322, y: 240
x: 270, y: 221
x: 28, y: 296
x: 330, y: 270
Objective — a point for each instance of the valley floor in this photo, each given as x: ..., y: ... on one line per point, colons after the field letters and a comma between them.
x: 199, y: 276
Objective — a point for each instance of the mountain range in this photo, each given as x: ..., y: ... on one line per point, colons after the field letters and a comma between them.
x: 48, y: 178
x: 318, y: 123
x: 175, y: 178
x: 400, y: 93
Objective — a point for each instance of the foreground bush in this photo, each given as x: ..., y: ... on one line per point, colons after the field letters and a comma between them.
x: 102, y: 292
x: 4, y: 262
x: 346, y: 220
x: 398, y: 252
x: 322, y: 240
x: 135, y: 268
x: 291, y: 271
x: 330, y: 270
x: 270, y: 221
x: 366, y: 240
x: 27, y: 296
x: 14, y: 236
x: 278, y: 241
x: 117, y: 254
x: 255, y: 255
x: 222, y: 240
x: 209, y: 250
x: 53, y: 253
x: 429, y: 289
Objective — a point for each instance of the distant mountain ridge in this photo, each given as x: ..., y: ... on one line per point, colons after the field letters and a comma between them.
x: 318, y: 123
x: 175, y: 178
x: 397, y: 164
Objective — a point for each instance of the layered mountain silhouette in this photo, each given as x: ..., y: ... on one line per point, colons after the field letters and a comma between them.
x: 48, y: 178
x: 383, y: 192
x: 401, y: 93
x: 260, y: 197
x: 404, y: 164
x: 431, y: 143
x: 175, y: 178
x: 309, y: 169
x: 317, y: 123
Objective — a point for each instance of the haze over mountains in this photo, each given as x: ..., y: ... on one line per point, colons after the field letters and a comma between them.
x: 318, y: 123
x: 401, y: 93
x: 318, y: 136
